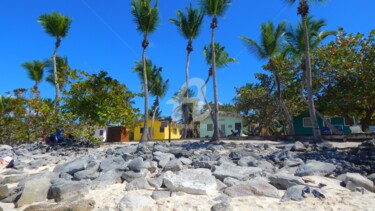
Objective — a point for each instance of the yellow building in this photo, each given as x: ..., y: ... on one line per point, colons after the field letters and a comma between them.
x: 161, y: 130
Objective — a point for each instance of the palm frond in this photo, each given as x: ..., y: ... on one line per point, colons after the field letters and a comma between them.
x: 215, y: 7
x: 222, y: 57
x: 55, y: 24
x: 145, y: 16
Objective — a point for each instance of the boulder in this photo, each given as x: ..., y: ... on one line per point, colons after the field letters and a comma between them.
x: 354, y: 180
x: 156, y: 182
x: 113, y: 163
x: 237, y: 172
x: 185, y: 161
x: 72, y: 167
x: 129, y: 176
x: 34, y: 190
x: 248, y: 161
x: 136, y: 164
x: 156, y: 195
x: 162, y: 158
x: 14, y: 178
x: 37, y: 163
x: 238, y: 154
x: 299, y: 147
x: 192, y: 181
x: 173, y: 165
x: 294, y: 193
x: 63, y: 191
x: 293, y: 162
x: 372, y: 177
x: 4, y: 191
x: 222, y: 206
x: 137, y: 184
x: 255, y: 187
x: 108, y: 178
x: 284, y: 181
x: 135, y: 201
x: 315, y: 168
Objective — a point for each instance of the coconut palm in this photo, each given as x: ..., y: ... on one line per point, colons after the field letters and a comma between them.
x: 296, y: 46
x: 215, y: 8
x: 63, y: 69
x: 57, y: 26
x: 179, y: 98
x: 222, y: 59
x: 189, y: 25
x: 35, y: 70
x: 147, y: 20
x: 269, y: 47
x: 303, y: 10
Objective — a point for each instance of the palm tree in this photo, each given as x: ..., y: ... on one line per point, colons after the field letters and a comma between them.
x: 296, y: 46
x: 57, y: 26
x: 146, y: 19
x: 222, y: 59
x: 303, y: 10
x: 189, y: 25
x: 179, y: 98
x: 63, y: 69
x: 269, y: 47
x: 35, y: 70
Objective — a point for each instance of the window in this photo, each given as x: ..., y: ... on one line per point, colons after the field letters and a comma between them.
x: 101, y: 132
x: 141, y: 130
x: 161, y: 130
x: 209, y: 127
x: 229, y: 126
x: 237, y: 126
x: 175, y: 131
x: 307, y: 122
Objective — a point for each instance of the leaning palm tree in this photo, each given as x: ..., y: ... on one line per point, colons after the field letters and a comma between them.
x: 57, y: 26
x: 35, y: 70
x: 296, y: 46
x: 215, y: 8
x: 303, y: 10
x: 146, y: 19
x: 189, y: 25
x: 222, y: 59
x: 269, y: 47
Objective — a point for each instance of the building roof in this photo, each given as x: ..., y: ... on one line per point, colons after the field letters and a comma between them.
x: 206, y: 114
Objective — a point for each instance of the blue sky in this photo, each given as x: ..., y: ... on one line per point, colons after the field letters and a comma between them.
x: 103, y: 36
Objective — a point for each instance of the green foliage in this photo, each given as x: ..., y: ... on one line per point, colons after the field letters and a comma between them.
x: 55, y: 24
x: 145, y: 16
x: 215, y: 7
x: 98, y: 100
x: 222, y: 57
x: 35, y: 70
x: 63, y: 71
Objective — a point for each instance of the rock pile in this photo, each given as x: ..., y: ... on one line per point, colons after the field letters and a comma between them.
x: 199, y: 168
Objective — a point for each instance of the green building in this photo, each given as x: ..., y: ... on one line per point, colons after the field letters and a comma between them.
x: 302, y: 125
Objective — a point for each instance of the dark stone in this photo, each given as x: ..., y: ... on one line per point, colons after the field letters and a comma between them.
x: 294, y: 193
x: 222, y: 206
x: 130, y: 175
x: 173, y: 165
x: 282, y: 181
x: 256, y: 187
x: 72, y: 167
x: 136, y: 164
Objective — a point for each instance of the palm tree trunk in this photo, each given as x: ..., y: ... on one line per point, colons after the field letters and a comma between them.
x: 57, y: 88
x: 186, y: 110
x: 205, y: 99
x: 314, y: 122
x: 215, y: 136
x: 152, y: 122
x: 145, y: 136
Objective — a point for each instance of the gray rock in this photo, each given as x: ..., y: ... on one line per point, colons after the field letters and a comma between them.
x: 4, y: 191
x: 299, y: 147
x: 283, y: 181
x: 159, y: 147
x: 203, y: 164
x: 266, y: 166
x: 294, y: 193
x: 354, y: 180
x: 72, y: 167
x: 293, y: 162
x: 156, y: 182
x: 223, y: 198
x: 14, y: 178
x: 136, y: 164
x: 229, y: 181
x: 162, y: 158
x: 248, y: 161
x: 12, y: 171
x: 129, y: 176
x: 315, y: 168
x: 255, y: 187
x: 44, y: 174
x: 126, y: 150
x: 173, y: 165
x: 222, y: 206
x: 156, y: 195
x: 90, y: 173
x: 192, y: 181
x: 37, y: 163
x: 185, y: 161
x: 34, y: 190
x: 63, y: 191
x: 372, y: 177
x: 137, y: 184
x: 113, y: 163
x: 135, y: 201
x: 66, y: 176
x: 220, y: 185
x: 108, y: 178
x: 151, y: 166
x: 80, y: 205
x: 238, y: 154
x: 237, y: 172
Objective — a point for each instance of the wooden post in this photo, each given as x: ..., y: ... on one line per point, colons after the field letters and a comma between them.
x: 169, y: 126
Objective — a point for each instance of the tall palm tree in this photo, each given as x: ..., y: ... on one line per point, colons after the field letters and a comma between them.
x: 296, y: 46
x: 215, y: 8
x: 269, y: 47
x: 57, y: 26
x: 222, y: 59
x: 189, y: 25
x: 303, y: 10
x: 147, y: 20
x: 35, y: 70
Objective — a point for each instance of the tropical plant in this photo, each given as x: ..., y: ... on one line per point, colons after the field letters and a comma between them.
x: 146, y: 18
x: 303, y: 10
x: 269, y: 47
x: 222, y: 60
x: 35, y: 70
x: 57, y: 26
x: 63, y: 71
x: 179, y: 98
x: 215, y: 8
x: 189, y: 25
